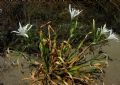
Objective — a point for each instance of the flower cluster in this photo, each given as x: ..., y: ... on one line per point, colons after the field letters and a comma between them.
x: 112, y: 36
x: 23, y: 30
x: 73, y: 12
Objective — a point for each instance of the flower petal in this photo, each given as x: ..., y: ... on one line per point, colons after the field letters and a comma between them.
x: 20, y: 26
x: 15, y: 32
x: 26, y: 35
x: 29, y: 27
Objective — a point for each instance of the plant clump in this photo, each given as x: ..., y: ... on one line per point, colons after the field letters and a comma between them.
x: 63, y: 63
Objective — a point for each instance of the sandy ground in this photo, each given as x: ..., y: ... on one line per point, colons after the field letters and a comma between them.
x: 112, y: 76
x: 13, y: 70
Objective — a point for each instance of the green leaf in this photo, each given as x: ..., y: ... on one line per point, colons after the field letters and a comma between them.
x: 74, y: 68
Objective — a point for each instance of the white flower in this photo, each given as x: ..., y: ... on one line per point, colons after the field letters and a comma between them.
x: 23, y: 30
x: 104, y: 30
x: 112, y: 36
x: 73, y: 12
